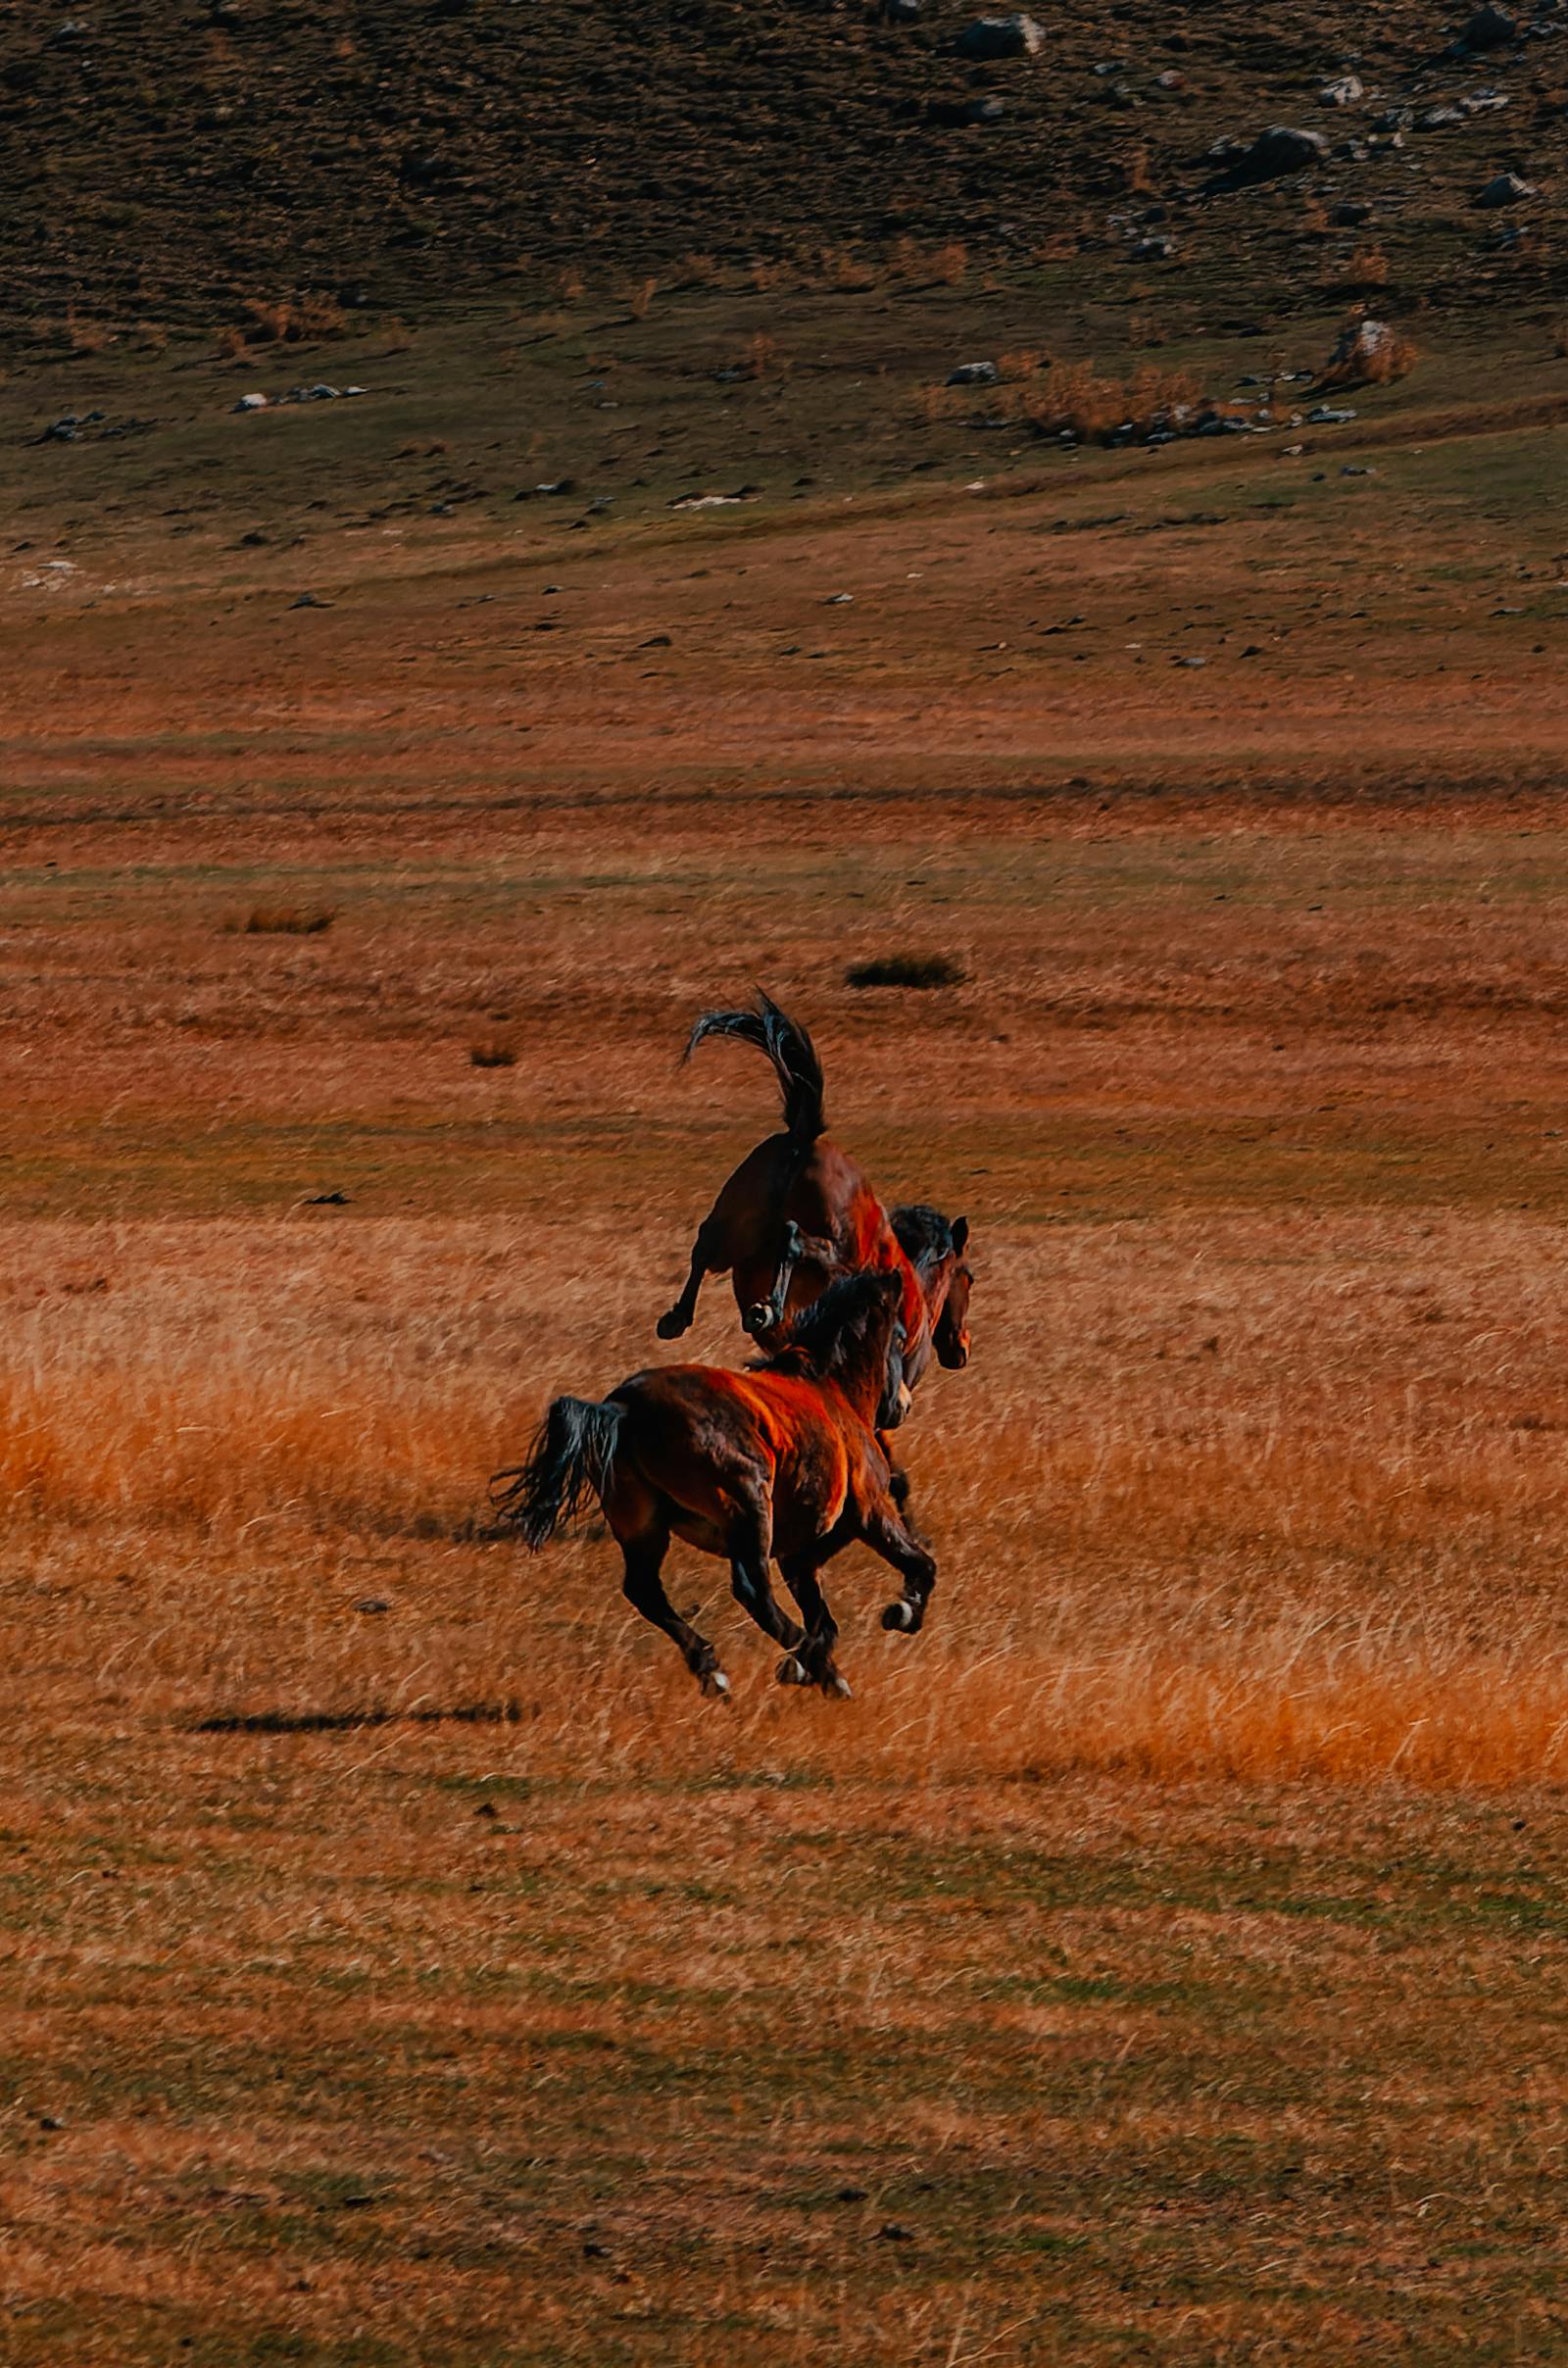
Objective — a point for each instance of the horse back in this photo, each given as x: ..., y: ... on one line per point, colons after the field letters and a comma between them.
x: 693, y: 1432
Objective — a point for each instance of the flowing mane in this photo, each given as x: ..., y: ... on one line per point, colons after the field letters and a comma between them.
x: 823, y: 1337
x: 923, y: 1234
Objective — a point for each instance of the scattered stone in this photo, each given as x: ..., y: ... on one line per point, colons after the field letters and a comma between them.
x: 894, y: 2232
x: 254, y: 401
x: 1344, y: 92
x: 1491, y: 28
x: 838, y: 599
x: 991, y: 37
x: 1436, y: 119
x: 1395, y: 119
x: 901, y: 12
x: 1328, y: 415
x: 1353, y: 211
x: 1170, y: 79
x: 531, y: 493
x: 1485, y: 102
x: 308, y: 600
x: 973, y: 374
x: 1507, y: 190
x: 1358, y: 468
x: 370, y: 1605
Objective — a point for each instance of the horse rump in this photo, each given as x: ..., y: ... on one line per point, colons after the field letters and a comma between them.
x: 786, y: 1044
x: 569, y: 1459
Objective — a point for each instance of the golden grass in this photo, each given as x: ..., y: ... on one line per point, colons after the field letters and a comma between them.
x: 1227, y: 1561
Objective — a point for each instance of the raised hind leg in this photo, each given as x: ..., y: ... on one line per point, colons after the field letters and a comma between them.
x: 644, y: 1590
x: 764, y: 1315
x: 707, y: 1257
x: 887, y: 1534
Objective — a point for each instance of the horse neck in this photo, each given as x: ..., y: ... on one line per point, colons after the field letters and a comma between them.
x: 862, y: 1377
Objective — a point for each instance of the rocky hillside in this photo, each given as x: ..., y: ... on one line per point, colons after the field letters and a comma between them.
x: 175, y: 159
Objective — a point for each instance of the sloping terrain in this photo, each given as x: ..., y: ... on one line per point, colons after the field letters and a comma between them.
x: 165, y: 159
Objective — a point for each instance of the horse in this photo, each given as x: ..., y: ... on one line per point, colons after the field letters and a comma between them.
x: 798, y: 1211
x: 782, y: 1460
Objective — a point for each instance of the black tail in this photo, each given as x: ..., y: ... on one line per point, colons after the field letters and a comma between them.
x: 791, y: 1051
x: 570, y: 1456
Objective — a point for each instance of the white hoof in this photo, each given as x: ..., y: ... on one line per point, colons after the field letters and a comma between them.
x: 791, y: 1672
x: 899, y: 1618
x: 714, y: 1682
x: 839, y: 1687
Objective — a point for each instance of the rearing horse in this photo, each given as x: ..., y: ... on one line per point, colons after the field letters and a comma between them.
x: 797, y: 1212
x: 784, y: 1460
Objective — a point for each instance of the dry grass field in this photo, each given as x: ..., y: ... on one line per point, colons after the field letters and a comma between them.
x: 1162, y: 1959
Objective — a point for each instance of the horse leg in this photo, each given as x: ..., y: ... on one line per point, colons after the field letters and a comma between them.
x: 898, y: 1477
x: 751, y: 1544
x: 812, y: 1663
x: 644, y: 1590
x: 707, y: 1259
x: 768, y: 1313
x: 889, y: 1536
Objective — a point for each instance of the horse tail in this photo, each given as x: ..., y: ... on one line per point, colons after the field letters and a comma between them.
x: 786, y: 1044
x: 571, y: 1456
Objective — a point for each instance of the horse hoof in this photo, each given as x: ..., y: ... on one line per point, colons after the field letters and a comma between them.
x: 714, y: 1683
x: 792, y: 1672
x: 838, y: 1686
x: 757, y: 1321
x: 899, y: 1619
x: 672, y: 1325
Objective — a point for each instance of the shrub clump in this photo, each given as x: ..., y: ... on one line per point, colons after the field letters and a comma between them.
x: 906, y: 971
x: 289, y: 920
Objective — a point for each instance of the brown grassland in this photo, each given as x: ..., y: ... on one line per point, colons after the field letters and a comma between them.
x: 1164, y: 1958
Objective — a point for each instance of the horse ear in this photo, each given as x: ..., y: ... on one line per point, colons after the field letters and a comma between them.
x: 960, y: 1236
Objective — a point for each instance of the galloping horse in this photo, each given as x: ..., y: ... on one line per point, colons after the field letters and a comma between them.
x: 797, y: 1212
x: 781, y: 1461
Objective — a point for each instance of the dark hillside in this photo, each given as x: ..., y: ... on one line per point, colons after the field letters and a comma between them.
x: 161, y: 158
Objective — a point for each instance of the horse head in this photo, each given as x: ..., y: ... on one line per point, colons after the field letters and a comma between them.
x: 937, y: 1248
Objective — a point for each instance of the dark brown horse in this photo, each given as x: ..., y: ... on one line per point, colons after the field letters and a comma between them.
x: 782, y: 1460
x: 797, y: 1212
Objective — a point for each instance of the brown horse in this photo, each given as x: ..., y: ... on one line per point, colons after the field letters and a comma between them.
x: 781, y: 1460
x: 797, y: 1212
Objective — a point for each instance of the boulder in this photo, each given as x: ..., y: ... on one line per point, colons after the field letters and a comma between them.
x: 1344, y: 92
x: 991, y: 37
x: 1280, y: 150
x: 973, y: 374
x: 1490, y: 28
x: 1355, y: 353
x: 1507, y: 190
